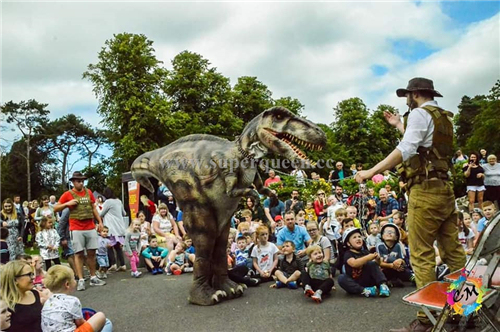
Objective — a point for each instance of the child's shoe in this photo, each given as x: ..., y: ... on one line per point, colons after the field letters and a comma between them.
x: 94, y: 281
x: 154, y: 271
x: 384, y: 291
x: 122, y: 268
x: 308, y: 291
x: 317, y: 296
x: 177, y: 272
x: 370, y: 291
x: 81, y: 285
x: 167, y: 271
x: 292, y: 285
x: 113, y: 268
x: 136, y: 274
x: 279, y: 284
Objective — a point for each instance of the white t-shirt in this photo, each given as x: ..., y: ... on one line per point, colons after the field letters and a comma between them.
x: 463, y: 239
x: 265, y: 255
x: 332, y: 231
x: 60, y: 312
x: 165, y: 224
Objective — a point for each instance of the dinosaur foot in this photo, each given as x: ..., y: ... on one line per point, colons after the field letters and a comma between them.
x: 203, y: 294
x: 231, y: 289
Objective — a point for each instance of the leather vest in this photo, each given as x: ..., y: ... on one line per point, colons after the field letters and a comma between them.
x: 435, y: 161
x: 83, y: 210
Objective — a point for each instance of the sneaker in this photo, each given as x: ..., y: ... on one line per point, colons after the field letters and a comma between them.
x: 412, y: 279
x: 441, y: 271
x: 104, y: 275
x: 154, y: 272
x: 81, y: 285
x: 308, y: 291
x: 397, y: 283
x: 177, y: 272
x: 98, y: 274
x: 168, y: 272
x: 94, y: 281
x: 292, y: 285
x: 122, y: 268
x: 370, y: 291
x: 188, y: 269
x: 317, y: 296
x: 113, y: 268
x: 136, y: 274
x: 279, y: 284
x: 384, y: 291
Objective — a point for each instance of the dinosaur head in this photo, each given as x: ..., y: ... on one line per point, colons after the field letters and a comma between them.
x: 279, y: 131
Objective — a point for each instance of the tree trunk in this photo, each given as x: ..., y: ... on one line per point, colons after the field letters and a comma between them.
x: 28, y: 171
x: 64, y: 165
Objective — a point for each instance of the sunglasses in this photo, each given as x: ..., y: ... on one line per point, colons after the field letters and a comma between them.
x: 79, y: 181
x: 31, y: 275
x: 312, y: 230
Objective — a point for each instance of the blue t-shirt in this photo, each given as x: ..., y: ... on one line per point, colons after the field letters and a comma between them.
x: 389, y: 255
x: 299, y: 236
x: 481, y: 224
x: 179, y: 216
x: 277, y: 210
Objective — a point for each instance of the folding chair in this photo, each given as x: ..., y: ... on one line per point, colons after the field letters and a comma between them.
x: 433, y: 296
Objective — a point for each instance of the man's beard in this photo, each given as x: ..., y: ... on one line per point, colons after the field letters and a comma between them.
x: 413, y: 104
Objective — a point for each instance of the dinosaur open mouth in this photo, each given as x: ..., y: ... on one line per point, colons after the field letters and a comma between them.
x: 289, y: 138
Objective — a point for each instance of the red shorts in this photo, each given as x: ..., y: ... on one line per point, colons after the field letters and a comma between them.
x: 85, y: 327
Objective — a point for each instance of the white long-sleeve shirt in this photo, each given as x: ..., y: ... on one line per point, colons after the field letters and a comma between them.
x: 418, y: 132
x: 112, y: 214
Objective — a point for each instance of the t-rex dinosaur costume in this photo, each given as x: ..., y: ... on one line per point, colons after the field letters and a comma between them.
x: 209, y: 175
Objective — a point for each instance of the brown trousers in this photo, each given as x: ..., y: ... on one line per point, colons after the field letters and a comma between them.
x: 432, y: 216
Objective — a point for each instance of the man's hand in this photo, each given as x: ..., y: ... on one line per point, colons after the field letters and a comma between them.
x: 393, y: 119
x: 64, y: 243
x: 100, y: 226
x: 301, y: 253
x: 72, y: 202
x: 363, y: 175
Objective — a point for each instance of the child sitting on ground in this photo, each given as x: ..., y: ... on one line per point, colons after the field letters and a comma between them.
x: 265, y: 255
x: 391, y: 255
x: 155, y: 256
x: 399, y: 220
x: 37, y: 264
x: 190, y: 248
x: 318, y: 280
x: 102, y: 253
x: 374, y: 238
x: 289, y: 268
x: 465, y: 235
x: 310, y: 212
x: 178, y: 260
x: 145, y: 229
x: 362, y: 273
x: 242, y: 255
x: 62, y: 311
x: 5, y: 314
x: 231, y: 241
x: 469, y: 224
x: 278, y: 225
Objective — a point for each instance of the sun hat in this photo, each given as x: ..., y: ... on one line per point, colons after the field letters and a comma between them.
x: 418, y: 84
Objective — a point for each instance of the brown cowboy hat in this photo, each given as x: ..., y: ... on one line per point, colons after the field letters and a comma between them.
x: 78, y: 176
x: 418, y: 84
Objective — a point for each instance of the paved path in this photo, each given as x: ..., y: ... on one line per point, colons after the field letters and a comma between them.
x: 159, y: 303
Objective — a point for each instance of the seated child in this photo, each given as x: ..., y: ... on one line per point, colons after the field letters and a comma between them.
x: 341, y: 246
x: 317, y: 281
x: 279, y: 225
x: 352, y: 212
x: 391, y: 255
x: 104, y: 243
x: 232, y: 240
x: 178, y: 261
x: 243, y: 228
x: 310, y: 212
x: 289, y: 268
x: 62, y: 311
x: 374, y: 238
x: 265, y: 255
x: 242, y: 254
x: 190, y: 248
x: 154, y: 256
x: 398, y: 219
x: 465, y: 235
x: 37, y: 264
x: 5, y: 314
x: 469, y: 224
x: 301, y: 220
x: 362, y: 273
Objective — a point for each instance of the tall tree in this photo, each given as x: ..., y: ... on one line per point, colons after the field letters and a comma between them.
x: 92, y: 143
x: 468, y: 110
x: 383, y: 136
x: 250, y: 98
x: 28, y: 117
x: 292, y: 104
x: 127, y: 81
x: 200, y: 97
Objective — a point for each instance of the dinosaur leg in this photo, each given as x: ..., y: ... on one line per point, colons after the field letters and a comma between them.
x: 201, y: 227
x: 221, y: 280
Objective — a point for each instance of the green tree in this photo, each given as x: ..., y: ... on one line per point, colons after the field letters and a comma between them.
x: 468, y: 110
x: 127, y: 80
x: 250, y: 98
x: 383, y: 136
x: 486, y: 134
x: 97, y: 175
x: 200, y: 98
x: 292, y: 104
x: 28, y: 118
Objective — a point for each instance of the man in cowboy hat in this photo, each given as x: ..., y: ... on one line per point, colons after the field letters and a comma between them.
x: 423, y: 158
x: 80, y: 201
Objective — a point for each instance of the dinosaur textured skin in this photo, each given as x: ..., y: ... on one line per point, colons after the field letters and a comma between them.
x: 209, y: 175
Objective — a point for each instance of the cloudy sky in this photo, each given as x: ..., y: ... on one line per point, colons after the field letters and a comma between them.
x: 320, y: 53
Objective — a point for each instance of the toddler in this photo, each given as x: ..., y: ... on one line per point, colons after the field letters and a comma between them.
x: 317, y: 281
x: 310, y: 212
x: 178, y: 261
x: 265, y: 255
x: 155, y: 256
x: 48, y: 241
x: 62, y: 311
x: 352, y: 212
x: 145, y: 229
x: 102, y: 253
x: 362, y: 273
x: 133, y: 245
x: 289, y: 268
x: 374, y: 238
x: 37, y: 265
x: 391, y: 254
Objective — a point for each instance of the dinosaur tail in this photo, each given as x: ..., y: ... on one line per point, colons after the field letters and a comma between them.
x: 141, y: 171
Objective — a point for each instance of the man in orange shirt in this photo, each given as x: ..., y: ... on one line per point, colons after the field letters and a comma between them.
x: 80, y: 201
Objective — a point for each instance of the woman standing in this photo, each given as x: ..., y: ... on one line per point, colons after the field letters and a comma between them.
x: 474, y: 179
x: 12, y: 222
x: 492, y: 180
x: 112, y: 214
x: 45, y: 210
x: 459, y: 157
x: 24, y: 302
